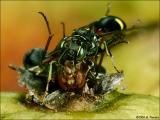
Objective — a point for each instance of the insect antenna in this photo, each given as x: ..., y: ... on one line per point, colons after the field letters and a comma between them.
x: 47, y: 23
x: 50, y: 35
x: 63, y: 26
x: 108, y: 9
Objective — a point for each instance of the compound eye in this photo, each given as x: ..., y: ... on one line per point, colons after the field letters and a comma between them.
x: 100, y: 31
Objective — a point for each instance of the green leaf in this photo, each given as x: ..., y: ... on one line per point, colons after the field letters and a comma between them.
x: 113, y: 106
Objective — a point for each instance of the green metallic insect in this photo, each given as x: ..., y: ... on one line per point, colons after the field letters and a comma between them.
x: 74, y: 66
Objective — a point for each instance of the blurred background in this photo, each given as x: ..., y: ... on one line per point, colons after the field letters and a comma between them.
x: 22, y: 29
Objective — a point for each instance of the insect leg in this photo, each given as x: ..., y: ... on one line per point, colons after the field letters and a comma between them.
x: 86, y: 89
x: 120, y: 43
x: 63, y: 25
x: 49, y: 76
x: 36, y: 69
x: 111, y: 57
x: 49, y: 38
x: 59, y: 60
x: 13, y: 67
x: 96, y: 59
x: 102, y: 46
x: 100, y: 62
x: 108, y: 9
x: 90, y: 66
x: 101, y: 59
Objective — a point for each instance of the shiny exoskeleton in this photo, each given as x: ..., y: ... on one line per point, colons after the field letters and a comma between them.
x: 86, y: 44
x: 90, y: 40
x: 74, y: 63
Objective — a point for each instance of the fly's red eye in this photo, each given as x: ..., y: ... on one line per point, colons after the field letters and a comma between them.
x: 99, y: 31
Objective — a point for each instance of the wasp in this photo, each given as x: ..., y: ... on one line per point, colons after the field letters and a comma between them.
x: 75, y: 64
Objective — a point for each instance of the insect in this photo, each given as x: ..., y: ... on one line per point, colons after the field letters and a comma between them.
x: 74, y: 66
